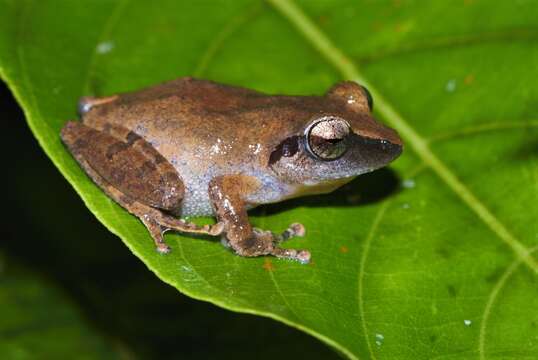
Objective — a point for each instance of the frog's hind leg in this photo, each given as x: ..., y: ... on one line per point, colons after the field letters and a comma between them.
x: 158, y: 223
x: 135, y: 175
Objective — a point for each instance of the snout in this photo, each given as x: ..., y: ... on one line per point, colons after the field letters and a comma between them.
x: 393, y: 137
x: 391, y: 149
x: 379, y: 143
x: 374, y: 153
x: 368, y: 127
x: 382, y: 151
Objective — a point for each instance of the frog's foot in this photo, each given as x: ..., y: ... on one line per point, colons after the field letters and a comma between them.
x: 302, y: 256
x: 156, y: 231
x: 266, y: 243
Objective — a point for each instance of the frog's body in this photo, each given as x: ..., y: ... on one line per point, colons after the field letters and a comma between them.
x: 209, y: 148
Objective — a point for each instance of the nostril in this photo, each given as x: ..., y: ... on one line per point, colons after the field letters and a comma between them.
x: 395, y: 138
x: 385, y: 145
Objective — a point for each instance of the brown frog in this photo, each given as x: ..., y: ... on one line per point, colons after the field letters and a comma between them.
x: 193, y: 147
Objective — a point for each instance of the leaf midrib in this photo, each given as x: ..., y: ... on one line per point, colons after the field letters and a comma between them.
x: 347, y: 68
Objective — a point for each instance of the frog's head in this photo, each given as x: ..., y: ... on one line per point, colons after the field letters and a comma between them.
x: 338, y: 143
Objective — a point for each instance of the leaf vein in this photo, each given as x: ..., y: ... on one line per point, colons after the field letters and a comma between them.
x: 365, y: 252
x: 109, y: 25
x: 227, y: 30
x: 284, y: 299
x: 491, y: 299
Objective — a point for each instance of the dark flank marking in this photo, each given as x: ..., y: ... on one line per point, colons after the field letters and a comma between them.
x: 286, y: 148
x: 132, y: 137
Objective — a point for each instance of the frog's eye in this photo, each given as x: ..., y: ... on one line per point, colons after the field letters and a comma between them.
x: 327, y: 138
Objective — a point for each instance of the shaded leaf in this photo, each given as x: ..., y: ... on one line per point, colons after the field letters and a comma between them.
x: 37, y: 322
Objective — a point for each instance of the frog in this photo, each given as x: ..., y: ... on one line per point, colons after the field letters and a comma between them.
x: 191, y: 147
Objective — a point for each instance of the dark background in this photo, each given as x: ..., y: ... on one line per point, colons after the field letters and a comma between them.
x: 48, y: 230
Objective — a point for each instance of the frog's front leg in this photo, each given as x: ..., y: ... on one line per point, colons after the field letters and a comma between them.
x: 226, y: 194
x: 135, y: 175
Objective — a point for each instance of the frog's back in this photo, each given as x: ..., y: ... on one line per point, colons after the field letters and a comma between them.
x: 180, y: 96
x: 184, y: 108
x: 188, y: 115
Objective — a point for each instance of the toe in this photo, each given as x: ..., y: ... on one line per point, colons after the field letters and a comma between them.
x: 298, y: 229
x: 163, y: 249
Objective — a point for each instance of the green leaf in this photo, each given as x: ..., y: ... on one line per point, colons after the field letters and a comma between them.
x: 442, y: 267
x: 40, y: 323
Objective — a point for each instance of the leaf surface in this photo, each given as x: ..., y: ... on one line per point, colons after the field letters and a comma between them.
x: 432, y: 258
